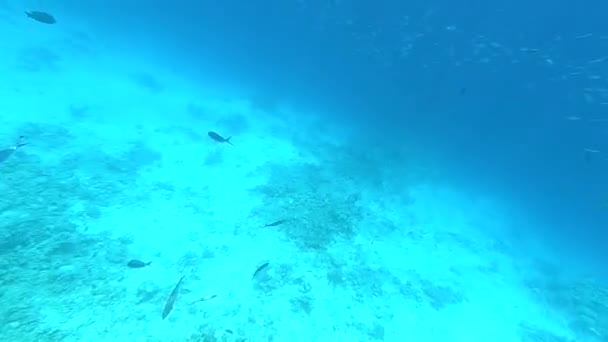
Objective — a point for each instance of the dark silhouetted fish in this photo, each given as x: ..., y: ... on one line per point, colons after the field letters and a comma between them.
x: 219, y: 138
x: 138, y: 263
x: 589, y: 155
x: 7, y: 152
x: 42, y: 17
x: 172, y: 298
x: 275, y: 223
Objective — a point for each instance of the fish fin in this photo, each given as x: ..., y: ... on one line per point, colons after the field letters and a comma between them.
x: 228, y: 141
x: 260, y: 268
x: 21, y: 142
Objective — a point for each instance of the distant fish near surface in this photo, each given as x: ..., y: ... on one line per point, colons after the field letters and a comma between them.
x: 138, y: 263
x: 219, y: 138
x: 7, y: 152
x: 260, y: 268
x: 42, y: 17
x: 589, y: 154
x: 172, y: 298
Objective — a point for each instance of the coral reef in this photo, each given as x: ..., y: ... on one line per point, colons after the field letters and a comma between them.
x: 529, y: 333
x: 319, y: 208
x: 584, y: 303
x: 587, y: 302
x: 53, y: 273
x: 440, y: 296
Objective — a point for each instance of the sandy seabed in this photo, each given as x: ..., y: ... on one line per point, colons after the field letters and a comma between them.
x: 372, y: 247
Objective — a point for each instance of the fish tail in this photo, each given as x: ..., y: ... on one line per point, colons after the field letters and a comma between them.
x: 228, y: 141
x: 21, y: 142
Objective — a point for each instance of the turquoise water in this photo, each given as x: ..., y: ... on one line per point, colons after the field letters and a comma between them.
x: 356, y: 203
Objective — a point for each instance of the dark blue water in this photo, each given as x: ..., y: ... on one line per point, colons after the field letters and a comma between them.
x: 484, y: 86
x: 506, y: 98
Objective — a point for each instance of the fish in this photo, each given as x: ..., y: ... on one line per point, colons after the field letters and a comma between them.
x: 532, y: 50
x: 172, y: 298
x: 589, y: 155
x: 204, y: 299
x: 275, y: 223
x: 7, y: 152
x: 43, y: 17
x: 138, y: 263
x: 260, y: 269
x: 219, y: 138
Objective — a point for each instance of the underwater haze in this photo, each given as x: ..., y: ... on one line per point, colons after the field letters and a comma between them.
x: 303, y: 170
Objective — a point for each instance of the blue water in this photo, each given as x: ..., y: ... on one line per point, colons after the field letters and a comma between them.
x: 403, y: 170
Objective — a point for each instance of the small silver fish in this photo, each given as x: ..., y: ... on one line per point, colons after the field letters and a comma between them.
x: 204, y: 299
x: 172, y: 298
